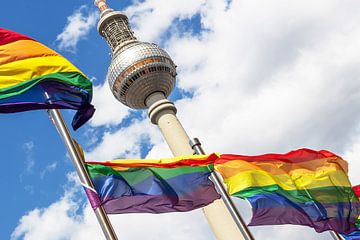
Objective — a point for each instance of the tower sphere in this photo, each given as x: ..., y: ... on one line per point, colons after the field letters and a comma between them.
x: 138, y: 69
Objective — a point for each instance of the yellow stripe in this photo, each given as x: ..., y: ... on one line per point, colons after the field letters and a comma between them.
x: 233, y: 167
x: 157, y: 161
x: 20, y: 71
x: 23, y: 49
x: 299, y: 179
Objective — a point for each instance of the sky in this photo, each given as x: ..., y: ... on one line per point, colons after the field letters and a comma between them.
x: 254, y: 77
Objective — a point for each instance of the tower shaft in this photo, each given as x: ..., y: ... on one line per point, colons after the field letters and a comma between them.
x: 163, y: 113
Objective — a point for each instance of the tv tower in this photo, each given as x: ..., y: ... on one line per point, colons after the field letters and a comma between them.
x: 142, y: 75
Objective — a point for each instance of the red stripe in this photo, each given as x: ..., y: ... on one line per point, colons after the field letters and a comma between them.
x: 7, y: 36
x: 357, y: 190
x: 297, y: 156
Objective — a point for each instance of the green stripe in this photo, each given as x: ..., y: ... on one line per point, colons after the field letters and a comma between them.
x: 167, y: 173
x: 72, y: 78
x: 96, y: 170
x: 323, y: 195
x: 358, y: 223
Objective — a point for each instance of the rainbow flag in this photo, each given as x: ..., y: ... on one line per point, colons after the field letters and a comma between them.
x: 302, y: 187
x: 356, y: 234
x: 152, y: 186
x: 29, y: 70
x: 357, y: 192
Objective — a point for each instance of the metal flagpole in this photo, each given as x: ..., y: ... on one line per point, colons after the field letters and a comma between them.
x: 335, y: 235
x: 196, y: 145
x: 78, y: 162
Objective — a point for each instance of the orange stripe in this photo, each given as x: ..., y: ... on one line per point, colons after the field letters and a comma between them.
x: 23, y: 49
x: 231, y: 168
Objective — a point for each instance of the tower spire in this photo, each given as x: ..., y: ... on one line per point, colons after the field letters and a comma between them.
x: 101, y: 4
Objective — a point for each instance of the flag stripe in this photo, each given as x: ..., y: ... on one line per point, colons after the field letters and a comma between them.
x: 192, y: 160
x: 61, y: 96
x: 74, y: 78
x: 299, y: 179
x: 277, y: 167
x: 271, y: 208
x: 20, y: 71
x: 160, y: 203
x: 323, y: 195
x: 165, y: 173
x: 357, y: 190
x: 297, y: 156
x: 145, y: 185
x: 10, y: 36
x: 23, y: 49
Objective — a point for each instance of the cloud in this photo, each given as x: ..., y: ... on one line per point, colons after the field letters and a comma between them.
x: 152, y: 18
x: 352, y: 154
x: 124, y: 143
x: 77, y: 28
x: 266, y: 76
x: 61, y: 216
x: 48, y: 169
x: 108, y: 110
x: 29, y: 161
x: 70, y: 219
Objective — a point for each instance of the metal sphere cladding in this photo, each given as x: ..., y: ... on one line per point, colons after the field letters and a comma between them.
x: 138, y: 69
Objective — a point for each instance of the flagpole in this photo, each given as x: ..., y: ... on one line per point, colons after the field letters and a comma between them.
x: 335, y: 235
x: 196, y: 145
x: 78, y: 162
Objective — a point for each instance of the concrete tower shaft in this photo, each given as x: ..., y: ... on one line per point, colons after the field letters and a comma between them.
x: 138, y: 69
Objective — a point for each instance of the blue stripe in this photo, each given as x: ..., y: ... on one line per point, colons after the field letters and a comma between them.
x: 115, y: 186
x: 73, y: 96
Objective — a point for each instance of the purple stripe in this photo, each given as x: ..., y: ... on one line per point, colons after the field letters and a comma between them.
x: 93, y: 198
x: 281, y: 216
x: 161, y: 203
x: 81, y: 116
x: 274, y: 209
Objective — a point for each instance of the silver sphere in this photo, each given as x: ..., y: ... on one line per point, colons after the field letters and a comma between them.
x: 139, y: 69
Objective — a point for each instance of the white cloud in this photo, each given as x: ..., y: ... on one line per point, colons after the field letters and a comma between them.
x: 48, y: 169
x: 77, y: 28
x: 124, y: 143
x: 29, y: 160
x: 61, y: 216
x: 71, y: 220
x: 267, y: 76
x: 352, y: 154
x: 109, y: 111
x: 151, y: 18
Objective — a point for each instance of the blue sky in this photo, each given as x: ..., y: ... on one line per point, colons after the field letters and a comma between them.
x: 35, y: 162
x: 254, y: 78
